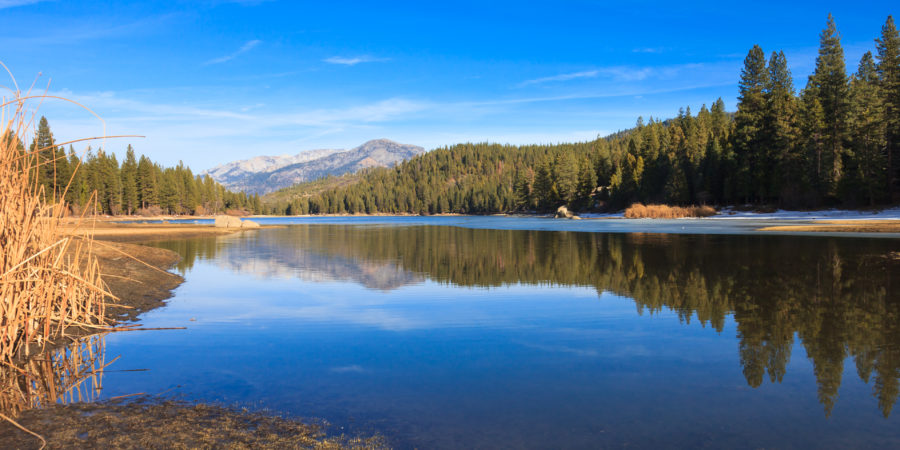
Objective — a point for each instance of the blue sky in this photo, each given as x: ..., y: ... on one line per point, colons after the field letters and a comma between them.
x: 212, y: 81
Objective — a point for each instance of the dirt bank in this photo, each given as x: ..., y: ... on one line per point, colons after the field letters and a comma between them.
x: 147, y: 423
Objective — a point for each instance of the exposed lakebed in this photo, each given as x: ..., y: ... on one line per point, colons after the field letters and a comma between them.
x: 481, y: 332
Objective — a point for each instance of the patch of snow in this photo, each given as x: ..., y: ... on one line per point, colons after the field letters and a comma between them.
x: 618, y: 215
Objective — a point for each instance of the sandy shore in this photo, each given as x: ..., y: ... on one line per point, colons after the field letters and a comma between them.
x: 842, y: 226
x: 140, y: 232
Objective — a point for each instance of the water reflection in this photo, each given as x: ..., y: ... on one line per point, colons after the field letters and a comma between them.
x: 835, y: 295
x: 70, y: 374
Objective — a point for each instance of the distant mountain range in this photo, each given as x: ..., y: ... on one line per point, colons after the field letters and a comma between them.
x: 264, y: 174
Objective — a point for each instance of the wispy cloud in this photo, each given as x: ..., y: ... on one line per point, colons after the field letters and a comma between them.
x: 624, y: 74
x: 352, y: 61
x: 647, y: 50
x: 561, y: 77
x: 13, y: 3
x: 73, y: 32
x: 249, y: 45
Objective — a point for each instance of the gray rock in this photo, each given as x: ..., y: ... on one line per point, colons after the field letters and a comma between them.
x: 563, y: 213
x: 227, y: 222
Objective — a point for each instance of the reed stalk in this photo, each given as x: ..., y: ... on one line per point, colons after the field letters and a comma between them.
x: 49, y: 281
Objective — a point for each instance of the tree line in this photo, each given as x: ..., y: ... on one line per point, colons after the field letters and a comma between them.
x: 136, y: 186
x: 837, y: 142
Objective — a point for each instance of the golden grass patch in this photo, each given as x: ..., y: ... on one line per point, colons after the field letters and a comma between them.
x: 641, y: 211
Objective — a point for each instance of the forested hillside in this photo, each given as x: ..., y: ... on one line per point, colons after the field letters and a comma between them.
x: 137, y: 185
x: 837, y: 142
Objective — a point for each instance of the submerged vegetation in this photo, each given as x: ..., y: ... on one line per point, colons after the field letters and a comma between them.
x: 836, y: 143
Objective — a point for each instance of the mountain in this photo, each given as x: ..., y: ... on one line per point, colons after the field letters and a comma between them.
x: 264, y: 174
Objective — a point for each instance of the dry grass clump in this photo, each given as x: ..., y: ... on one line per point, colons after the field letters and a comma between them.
x: 641, y: 211
x: 48, y: 281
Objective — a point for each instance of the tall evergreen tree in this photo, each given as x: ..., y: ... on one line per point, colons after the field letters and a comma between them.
x: 587, y: 181
x: 830, y: 80
x: 43, y: 148
x: 867, y: 133
x: 888, y: 69
x: 130, y: 182
x: 147, y: 181
x: 565, y: 176
x: 783, y: 163
x: 750, y: 124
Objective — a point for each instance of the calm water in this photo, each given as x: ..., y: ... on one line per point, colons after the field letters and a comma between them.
x: 477, y: 337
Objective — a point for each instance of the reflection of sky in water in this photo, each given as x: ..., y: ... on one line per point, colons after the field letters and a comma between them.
x: 437, y: 365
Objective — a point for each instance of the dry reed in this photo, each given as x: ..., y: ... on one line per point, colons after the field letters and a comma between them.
x: 49, y: 282
x: 641, y: 211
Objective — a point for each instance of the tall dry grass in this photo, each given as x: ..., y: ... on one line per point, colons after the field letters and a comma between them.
x: 641, y: 211
x: 49, y: 282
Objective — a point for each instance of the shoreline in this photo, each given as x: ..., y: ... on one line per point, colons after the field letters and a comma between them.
x: 112, y: 228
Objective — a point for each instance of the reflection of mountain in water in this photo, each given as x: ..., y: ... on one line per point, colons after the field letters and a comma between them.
x: 280, y: 253
x: 839, y: 296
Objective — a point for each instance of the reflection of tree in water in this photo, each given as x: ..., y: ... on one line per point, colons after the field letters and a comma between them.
x: 192, y: 250
x: 70, y: 374
x: 835, y: 294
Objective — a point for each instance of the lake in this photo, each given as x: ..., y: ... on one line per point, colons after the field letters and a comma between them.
x: 510, y: 332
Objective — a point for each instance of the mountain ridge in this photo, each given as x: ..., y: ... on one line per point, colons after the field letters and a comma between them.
x: 265, y: 174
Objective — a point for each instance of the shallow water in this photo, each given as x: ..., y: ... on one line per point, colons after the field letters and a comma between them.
x: 485, y: 334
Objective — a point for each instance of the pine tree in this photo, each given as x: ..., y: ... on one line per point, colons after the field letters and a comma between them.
x: 749, y: 124
x: 112, y: 200
x: 867, y: 132
x: 43, y: 147
x: 77, y: 196
x: 587, y: 181
x: 783, y: 163
x: 543, y: 188
x: 565, y: 176
x: 147, y: 182
x: 830, y: 80
x: 888, y: 70
x: 130, y: 182
x: 523, y: 187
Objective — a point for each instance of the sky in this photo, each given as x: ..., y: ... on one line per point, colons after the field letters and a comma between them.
x: 211, y: 81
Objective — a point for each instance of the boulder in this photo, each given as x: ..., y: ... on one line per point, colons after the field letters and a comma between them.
x: 575, y: 218
x: 227, y: 222
x: 563, y: 213
x: 249, y: 224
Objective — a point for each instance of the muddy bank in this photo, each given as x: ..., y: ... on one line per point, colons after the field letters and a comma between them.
x: 137, y: 275
x: 147, y: 423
